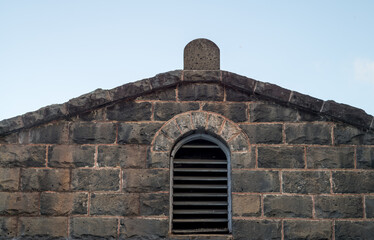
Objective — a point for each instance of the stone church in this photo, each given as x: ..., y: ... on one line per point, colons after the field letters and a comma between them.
x: 198, y: 153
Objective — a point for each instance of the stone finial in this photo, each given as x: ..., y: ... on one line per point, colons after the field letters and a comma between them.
x: 201, y: 54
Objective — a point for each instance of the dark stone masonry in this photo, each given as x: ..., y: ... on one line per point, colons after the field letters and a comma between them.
x: 98, y: 166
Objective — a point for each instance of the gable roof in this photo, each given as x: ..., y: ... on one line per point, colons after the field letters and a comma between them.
x: 259, y: 90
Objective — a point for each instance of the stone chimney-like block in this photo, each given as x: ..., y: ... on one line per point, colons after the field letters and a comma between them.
x: 201, y: 54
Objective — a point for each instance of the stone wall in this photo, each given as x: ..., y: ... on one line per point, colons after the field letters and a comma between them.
x: 102, y: 171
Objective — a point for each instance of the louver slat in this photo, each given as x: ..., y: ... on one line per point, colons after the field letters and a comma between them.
x: 200, y: 189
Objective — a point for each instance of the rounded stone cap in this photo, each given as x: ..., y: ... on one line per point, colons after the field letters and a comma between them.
x: 201, y: 54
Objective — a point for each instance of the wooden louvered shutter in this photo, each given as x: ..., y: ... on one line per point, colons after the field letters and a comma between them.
x: 200, y: 200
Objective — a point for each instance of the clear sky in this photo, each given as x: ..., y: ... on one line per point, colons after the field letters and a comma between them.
x: 52, y: 51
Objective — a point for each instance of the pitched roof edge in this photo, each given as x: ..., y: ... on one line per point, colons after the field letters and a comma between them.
x: 98, y: 98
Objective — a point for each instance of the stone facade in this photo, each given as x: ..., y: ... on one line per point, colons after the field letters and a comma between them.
x: 97, y: 167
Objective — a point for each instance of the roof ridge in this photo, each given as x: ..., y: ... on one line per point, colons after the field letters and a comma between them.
x: 99, y: 97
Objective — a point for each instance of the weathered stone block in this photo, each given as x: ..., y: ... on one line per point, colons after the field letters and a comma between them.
x: 10, y: 139
x: 369, y: 206
x: 229, y: 130
x: 137, y: 133
x: 162, y: 143
x: 95, y: 115
x: 272, y: 91
x: 354, y: 230
x: 145, y: 180
x: 167, y: 79
x: 280, y: 157
x: 22, y: 156
x: 256, y: 229
x: 71, y: 156
x: 306, y: 101
x: 255, y: 181
x: 171, y: 130
x: 9, y: 179
x: 199, y: 119
x: 124, y: 156
x: 137, y: 228
x: 95, y: 179
x: 238, y: 81
x: 55, y: 133
x: 353, y: 182
x: 365, y: 157
x: 200, y: 92
x: 246, y: 205
x: 201, y: 54
x: 339, y: 206
x: 236, y: 112
x: 330, y: 157
x: 201, y: 76
x: 63, y: 203
x: 43, y: 228
x: 346, y: 134
x: 164, y: 95
x: 214, y: 123
x: 154, y: 204
x: 17, y: 203
x: 45, y: 180
x: 88, y: 101
x: 7, y: 125
x: 263, y: 133
x: 165, y: 111
x: 93, y: 228
x: 238, y: 96
x: 158, y: 159
x: 129, y: 111
x: 239, y: 143
x: 115, y: 204
x: 184, y: 123
x: 288, y: 206
x: 133, y: 89
x: 267, y: 112
x: 308, y: 133
x: 91, y: 132
x: 306, y: 182
x: 309, y: 230
x: 8, y: 227
x: 244, y: 160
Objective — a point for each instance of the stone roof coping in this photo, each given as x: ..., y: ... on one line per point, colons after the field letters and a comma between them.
x: 262, y: 90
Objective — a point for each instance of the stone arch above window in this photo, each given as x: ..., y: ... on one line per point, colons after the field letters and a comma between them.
x: 209, y: 123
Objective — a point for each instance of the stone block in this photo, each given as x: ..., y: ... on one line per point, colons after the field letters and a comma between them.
x: 129, y: 111
x: 369, y: 206
x: 255, y: 181
x: 338, y: 206
x: 201, y: 54
x: 45, y: 180
x: 71, y: 156
x: 280, y: 157
x: 55, y: 133
x: 43, y: 228
x: 162, y: 143
x: 201, y: 76
x: 10, y: 124
x: 145, y: 180
x: 353, y: 182
x: 9, y: 179
x: 200, y: 92
x: 8, y: 227
x: 17, y: 203
x: 95, y: 179
x: 94, y: 115
x: 244, y: 159
x: 229, y: 130
x: 272, y: 91
x: 214, y: 123
x: 288, y: 206
x: 239, y: 143
x: 309, y: 230
x: 93, y: 133
x: 346, y: 134
x: 238, y: 81
x: 133, y: 89
x: 152, y: 204
x: 330, y: 157
x: 163, y: 95
x: 305, y: 101
x: 238, y: 96
x: 90, y: 100
x: 365, y: 157
x: 306, y: 182
x: 114, y: 204
x: 142, y: 228
x: 9, y: 139
x: 268, y: 112
x: 124, y: 156
x: 22, y: 156
x: 184, y: 123
x: 308, y: 133
x: 199, y: 119
x: 354, y: 230
x: 246, y: 205
x: 93, y: 228
x: 263, y: 133
x: 137, y: 133
x: 158, y: 159
x: 167, y: 79
x: 171, y: 130
x: 60, y: 204
x: 236, y: 112
x: 256, y: 229
x: 167, y: 110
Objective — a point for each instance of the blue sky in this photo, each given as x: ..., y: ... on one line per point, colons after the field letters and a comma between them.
x: 52, y: 51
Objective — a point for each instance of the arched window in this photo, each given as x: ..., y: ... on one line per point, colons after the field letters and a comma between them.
x: 200, y: 186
